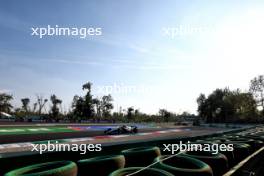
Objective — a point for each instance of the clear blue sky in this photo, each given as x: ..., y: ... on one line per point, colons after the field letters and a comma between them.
x: 133, y: 50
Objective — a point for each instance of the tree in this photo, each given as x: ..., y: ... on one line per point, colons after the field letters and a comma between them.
x: 244, y: 106
x: 5, y: 105
x: 25, y: 104
x: 55, y: 111
x: 88, y: 106
x: 107, y: 105
x: 138, y: 115
x: 97, y: 103
x: 77, y: 106
x: 257, y: 89
x: 214, y: 108
x: 87, y: 86
x: 41, y: 103
x: 223, y: 105
x: 130, y: 113
x: 165, y: 114
x: 201, y: 101
x: 35, y: 107
x: 83, y: 107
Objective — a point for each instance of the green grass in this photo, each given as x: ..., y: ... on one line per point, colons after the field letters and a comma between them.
x: 33, y: 130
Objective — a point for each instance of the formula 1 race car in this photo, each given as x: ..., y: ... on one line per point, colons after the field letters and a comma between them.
x: 122, y: 130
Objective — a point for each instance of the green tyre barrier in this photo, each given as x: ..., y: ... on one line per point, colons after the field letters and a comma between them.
x: 183, y: 166
x: 228, y: 154
x: 145, y: 172
x: 241, y: 151
x: 255, y: 137
x: 254, y: 142
x: 56, y: 168
x: 218, y: 162
x: 260, y: 134
x: 259, y: 144
x: 230, y: 157
x: 220, y: 139
x: 141, y: 156
x: 164, y: 151
x: 243, y: 140
x: 250, y: 142
x: 100, y: 166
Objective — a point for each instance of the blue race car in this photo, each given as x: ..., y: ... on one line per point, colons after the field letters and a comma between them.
x: 124, y: 129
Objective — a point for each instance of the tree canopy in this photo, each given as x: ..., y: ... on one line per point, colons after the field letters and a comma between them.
x: 224, y: 105
x: 5, y: 104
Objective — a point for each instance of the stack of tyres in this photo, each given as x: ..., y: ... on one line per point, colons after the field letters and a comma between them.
x: 250, y: 142
x: 255, y: 137
x: 218, y: 162
x: 141, y: 171
x: 218, y: 139
x: 56, y: 168
x: 242, y: 140
x: 241, y: 151
x: 229, y: 154
x: 255, y: 143
x: 183, y: 166
x: 258, y: 144
x: 242, y: 147
x: 141, y: 156
x: 230, y: 157
x: 100, y: 166
x: 164, y: 151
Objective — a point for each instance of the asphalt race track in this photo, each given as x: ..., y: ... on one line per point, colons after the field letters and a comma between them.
x: 17, y: 136
x: 22, y: 133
